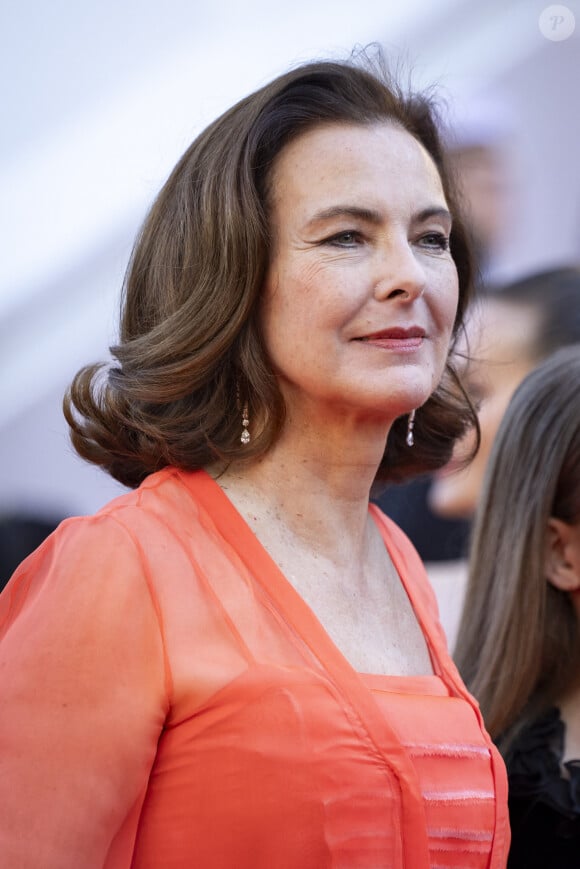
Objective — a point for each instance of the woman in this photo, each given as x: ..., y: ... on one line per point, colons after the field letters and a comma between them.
x: 510, y: 331
x: 240, y: 664
x: 519, y: 640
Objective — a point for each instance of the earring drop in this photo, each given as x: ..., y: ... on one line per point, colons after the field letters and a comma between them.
x: 245, y: 437
x: 410, y: 425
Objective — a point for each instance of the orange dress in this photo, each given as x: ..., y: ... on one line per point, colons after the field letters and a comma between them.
x: 168, y: 700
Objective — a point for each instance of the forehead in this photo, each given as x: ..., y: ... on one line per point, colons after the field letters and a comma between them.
x: 379, y: 161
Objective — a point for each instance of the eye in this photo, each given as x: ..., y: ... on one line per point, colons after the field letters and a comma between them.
x: 436, y: 241
x: 348, y: 238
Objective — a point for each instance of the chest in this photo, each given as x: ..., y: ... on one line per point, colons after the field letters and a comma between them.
x: 365, y: 610
x: 304, y: 774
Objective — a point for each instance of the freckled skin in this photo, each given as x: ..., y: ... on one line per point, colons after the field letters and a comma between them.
x: 358, y: 307
x: 360, y: 230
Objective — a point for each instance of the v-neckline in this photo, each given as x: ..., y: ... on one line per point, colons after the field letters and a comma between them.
x: 301, y: 621
x: 381, y: 738
x: 293, y: 608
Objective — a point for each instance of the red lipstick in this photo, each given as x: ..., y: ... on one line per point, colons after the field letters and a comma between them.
x: 397, y: 338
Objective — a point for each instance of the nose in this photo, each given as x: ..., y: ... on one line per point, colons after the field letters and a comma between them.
x: 399, y: 273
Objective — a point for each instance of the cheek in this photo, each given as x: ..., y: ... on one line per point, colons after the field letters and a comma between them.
x: 294, y: 292
x: 451, y: 302
x: 289, y: 317
x: 444, y: 301
x: 444, y: 316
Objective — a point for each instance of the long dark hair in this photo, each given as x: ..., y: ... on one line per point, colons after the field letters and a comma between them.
x: 190, y: 351
x: 518, y: 645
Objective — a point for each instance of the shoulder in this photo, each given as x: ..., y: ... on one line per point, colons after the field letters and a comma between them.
x: 110, y: 552
x: 409, y: 562
x: 396, y: 534
x: 418, y: 585
x: 85, y: 596
x: 157, y: 513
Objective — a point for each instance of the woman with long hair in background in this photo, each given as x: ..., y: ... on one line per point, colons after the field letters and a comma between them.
x: 518, y: 645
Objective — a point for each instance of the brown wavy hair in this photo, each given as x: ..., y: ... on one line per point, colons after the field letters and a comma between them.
x: 518, y: 644
x: 190, y: 350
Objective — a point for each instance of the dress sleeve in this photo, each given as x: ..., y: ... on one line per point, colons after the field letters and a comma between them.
x: 83, y: 697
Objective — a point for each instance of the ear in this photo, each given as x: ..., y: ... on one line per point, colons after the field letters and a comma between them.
x: 562, y: 564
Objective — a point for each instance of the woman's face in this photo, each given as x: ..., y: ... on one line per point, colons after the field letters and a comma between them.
x: 500, y: 341
x: 361, y: 291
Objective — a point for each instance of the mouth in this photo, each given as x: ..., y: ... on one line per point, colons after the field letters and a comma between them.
x: 396, y: 338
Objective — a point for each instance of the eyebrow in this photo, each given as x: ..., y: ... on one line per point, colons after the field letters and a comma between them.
x: 369, y: 215
x: 366, y: 214
x: 435, y: 211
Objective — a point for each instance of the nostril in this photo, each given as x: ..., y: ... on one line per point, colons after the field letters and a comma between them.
x: 396, y: 293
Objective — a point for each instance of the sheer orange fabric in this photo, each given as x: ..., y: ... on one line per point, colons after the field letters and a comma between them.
x: 168, y: 700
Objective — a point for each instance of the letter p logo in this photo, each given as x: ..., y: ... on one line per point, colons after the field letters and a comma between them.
x: 557, y: 23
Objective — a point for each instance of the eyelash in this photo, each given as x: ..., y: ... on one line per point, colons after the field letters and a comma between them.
x: 432, y: 240
x: 441, y: 242
x: 335, y: 240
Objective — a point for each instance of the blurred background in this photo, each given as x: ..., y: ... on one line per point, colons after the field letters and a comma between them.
x: 100, y: 99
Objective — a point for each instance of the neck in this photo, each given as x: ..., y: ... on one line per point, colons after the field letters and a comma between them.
x: 316, y: 483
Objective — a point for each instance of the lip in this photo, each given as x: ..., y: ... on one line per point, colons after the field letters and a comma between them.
x: 396, y: 338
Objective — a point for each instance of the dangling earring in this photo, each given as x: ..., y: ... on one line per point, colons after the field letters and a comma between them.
x: 410, y: 426
x: 245, y: 437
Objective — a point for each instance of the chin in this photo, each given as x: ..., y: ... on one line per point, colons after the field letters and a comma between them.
x: 405, y: 398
